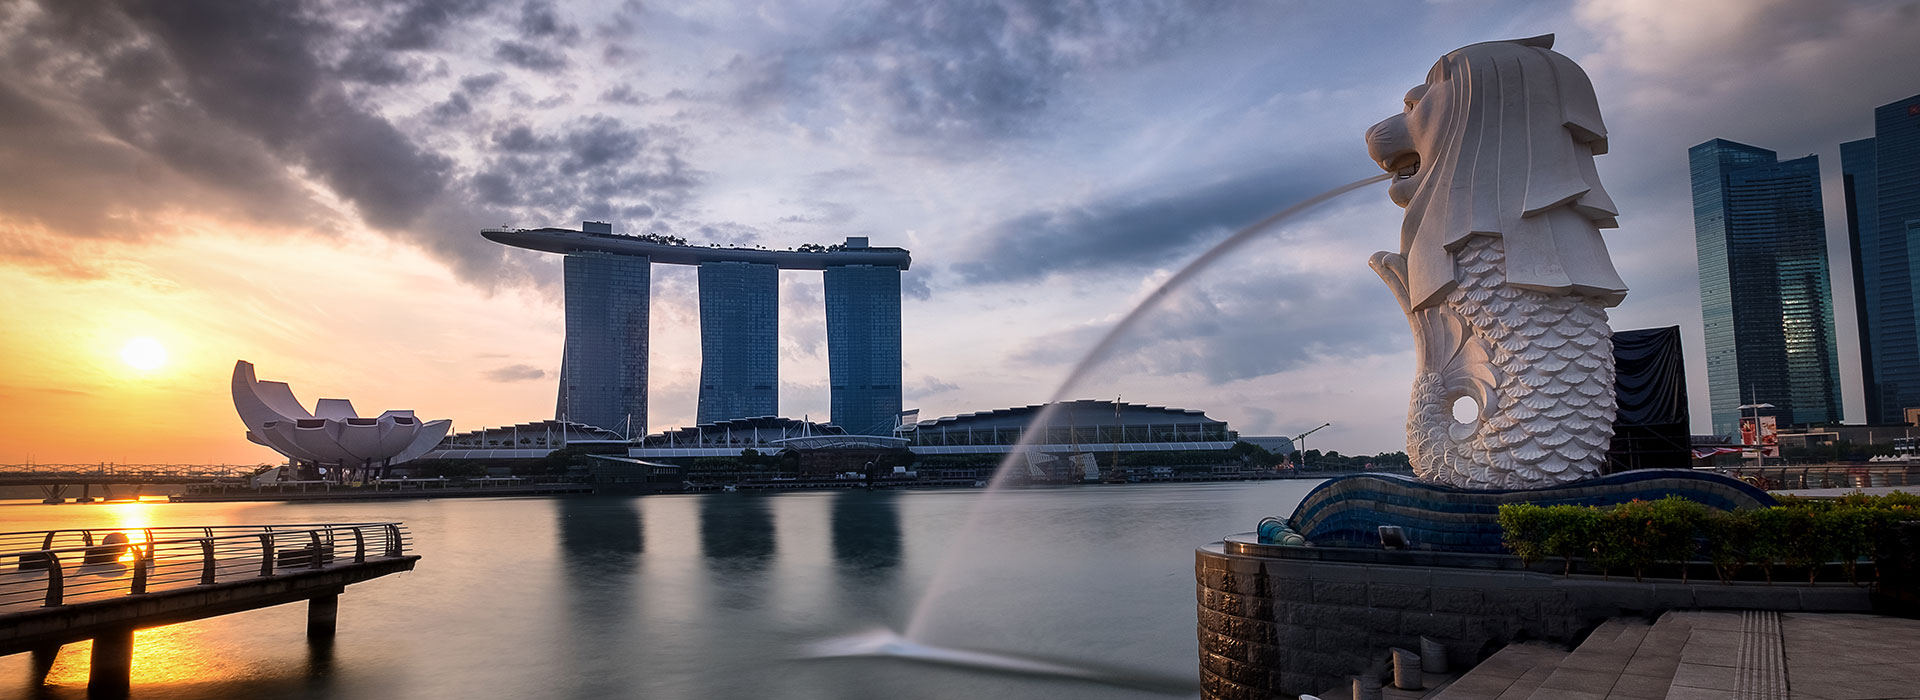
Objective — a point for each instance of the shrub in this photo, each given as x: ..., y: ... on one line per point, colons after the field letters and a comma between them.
x: 1570, y: 532
x: 1802, y: 533
x: 1524, y: 530
x: 1674, y: 527
x: 1730, y: 542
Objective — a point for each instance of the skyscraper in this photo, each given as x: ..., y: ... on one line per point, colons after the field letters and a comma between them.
x: 1765, y: 292
x: 1882, y: 180
x: 604, y: 368
x: 863, y: 346
x: 739, y: 340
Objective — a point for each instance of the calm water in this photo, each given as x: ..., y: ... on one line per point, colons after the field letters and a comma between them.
x: 704, y: 596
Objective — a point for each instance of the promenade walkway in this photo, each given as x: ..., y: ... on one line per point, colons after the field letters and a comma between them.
x: 63, y: 586
x: 1719, y: 655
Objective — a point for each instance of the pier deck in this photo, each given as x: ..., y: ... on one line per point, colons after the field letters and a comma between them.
x: 63, y: 586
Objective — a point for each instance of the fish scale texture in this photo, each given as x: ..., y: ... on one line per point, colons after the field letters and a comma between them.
x: 1550, y: 362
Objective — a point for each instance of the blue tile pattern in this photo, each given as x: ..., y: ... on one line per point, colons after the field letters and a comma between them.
x: 1348, y: 511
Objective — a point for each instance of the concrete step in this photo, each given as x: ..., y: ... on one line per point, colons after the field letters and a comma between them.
x: 1599, y: 664
x: 1513, y: 672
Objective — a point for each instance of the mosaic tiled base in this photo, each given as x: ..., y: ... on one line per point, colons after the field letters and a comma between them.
x: 1348, y: 511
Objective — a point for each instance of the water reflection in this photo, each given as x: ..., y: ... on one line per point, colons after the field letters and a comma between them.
x: 601, y: 540
x: 866, y: 532
x: 736, y: 531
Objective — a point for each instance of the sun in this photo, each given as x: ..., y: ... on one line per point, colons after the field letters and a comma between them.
x: 144, y: 354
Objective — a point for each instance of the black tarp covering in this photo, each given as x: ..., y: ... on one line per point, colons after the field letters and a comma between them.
x: 1650, y: 380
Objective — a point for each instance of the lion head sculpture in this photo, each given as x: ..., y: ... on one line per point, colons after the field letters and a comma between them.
x: 1500, y: 141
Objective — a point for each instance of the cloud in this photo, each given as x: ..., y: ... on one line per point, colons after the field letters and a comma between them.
x: 230, y: 96
x: 593, y: 167
x: 516, y: 373
x: 1132, y: 229
x: 1255, y: 319
x: 913, y: 283
x: 960, y: 70
x: 928, y: 386
x: 533, y: 57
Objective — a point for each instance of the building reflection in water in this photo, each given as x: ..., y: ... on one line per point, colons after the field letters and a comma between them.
x: 601, y: 541
x: 866, y: 532
x: 736, y: 530
x: 865, y: 528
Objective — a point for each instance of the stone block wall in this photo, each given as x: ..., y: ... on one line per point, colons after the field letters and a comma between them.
x: 1282, y: 623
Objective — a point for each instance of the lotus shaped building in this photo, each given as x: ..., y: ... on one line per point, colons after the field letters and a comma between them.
x: 332, y: 437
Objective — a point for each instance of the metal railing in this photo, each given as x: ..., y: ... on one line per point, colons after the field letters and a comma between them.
x: 112, y: 469
x: 1829, y: 476
x: 47, y: 568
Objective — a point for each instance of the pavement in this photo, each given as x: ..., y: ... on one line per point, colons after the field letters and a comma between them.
x: 1711, y: 655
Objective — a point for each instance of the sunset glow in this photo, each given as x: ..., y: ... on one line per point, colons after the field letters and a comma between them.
x: 144, y: 354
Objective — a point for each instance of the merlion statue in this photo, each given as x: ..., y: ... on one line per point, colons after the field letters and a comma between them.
x: 1501, y: 270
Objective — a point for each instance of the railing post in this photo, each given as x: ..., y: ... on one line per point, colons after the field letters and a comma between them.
x: 140, y: 558
x: 359, y: 546
x: 266, y: 554
x: 56, y: 583
x: 393, y: 539
x: 313, y: 542
x: 206, y: 561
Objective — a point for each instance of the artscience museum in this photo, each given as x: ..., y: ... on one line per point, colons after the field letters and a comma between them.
x: 332, y: 440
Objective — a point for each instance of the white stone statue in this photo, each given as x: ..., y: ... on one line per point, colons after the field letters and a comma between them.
x: 1501, y: 270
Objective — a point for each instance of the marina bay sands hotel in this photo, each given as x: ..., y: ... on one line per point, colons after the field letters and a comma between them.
x: 603, y: 370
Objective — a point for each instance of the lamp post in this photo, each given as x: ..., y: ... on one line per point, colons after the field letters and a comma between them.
x: 1760, y: 454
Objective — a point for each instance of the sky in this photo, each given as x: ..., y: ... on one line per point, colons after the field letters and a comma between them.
x: 301, y: 184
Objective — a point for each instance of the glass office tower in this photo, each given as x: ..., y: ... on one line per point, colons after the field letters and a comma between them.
x: 604, y: 368
x: 739, y: 341
x: 863, y: 347
x: 1764, y: 285
x: 1882, y: 180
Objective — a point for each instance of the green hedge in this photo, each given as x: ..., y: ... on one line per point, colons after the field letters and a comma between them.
x: 1639, y: 535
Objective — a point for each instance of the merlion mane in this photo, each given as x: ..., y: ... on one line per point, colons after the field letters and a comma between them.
x: 1502, y: 271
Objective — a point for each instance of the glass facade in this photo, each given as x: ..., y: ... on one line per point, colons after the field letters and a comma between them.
x: 739, y: 341
x: 1882, y: 179
x: 863, y: 347
x: 1765, y: 291
x: 604, y: 366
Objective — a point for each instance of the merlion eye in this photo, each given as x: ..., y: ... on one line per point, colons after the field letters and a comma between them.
x: 1414, y: 95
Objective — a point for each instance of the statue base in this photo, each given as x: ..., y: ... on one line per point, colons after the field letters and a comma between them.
x: 1348, y: 511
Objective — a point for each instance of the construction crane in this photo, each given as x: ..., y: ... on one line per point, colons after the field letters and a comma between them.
x: 1300, y: 443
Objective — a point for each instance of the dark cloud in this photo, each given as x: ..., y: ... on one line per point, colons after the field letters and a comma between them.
x: 422, y: 24
x: 624, y: 94
x: 169, y: 69
x: 480, y: 85
x: 516, y: 373
x: 594, y: 167
x: 125, y: 110
x: 1134, y: 229
x: 539, y: 21
x: 964, y: 69
x: 533, y: 57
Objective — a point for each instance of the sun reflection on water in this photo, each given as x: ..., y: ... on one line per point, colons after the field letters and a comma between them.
x: 162, y: 656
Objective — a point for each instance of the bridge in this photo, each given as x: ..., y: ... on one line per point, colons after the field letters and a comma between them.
x: 64, y: 586
x: 54, y: 479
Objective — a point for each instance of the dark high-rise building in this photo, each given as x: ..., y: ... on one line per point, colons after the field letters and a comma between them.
x: 1765, y: 292
x: 1882, y: 180
x: 739, y: 340
x: 863, y: 347
x: 604, y: 368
